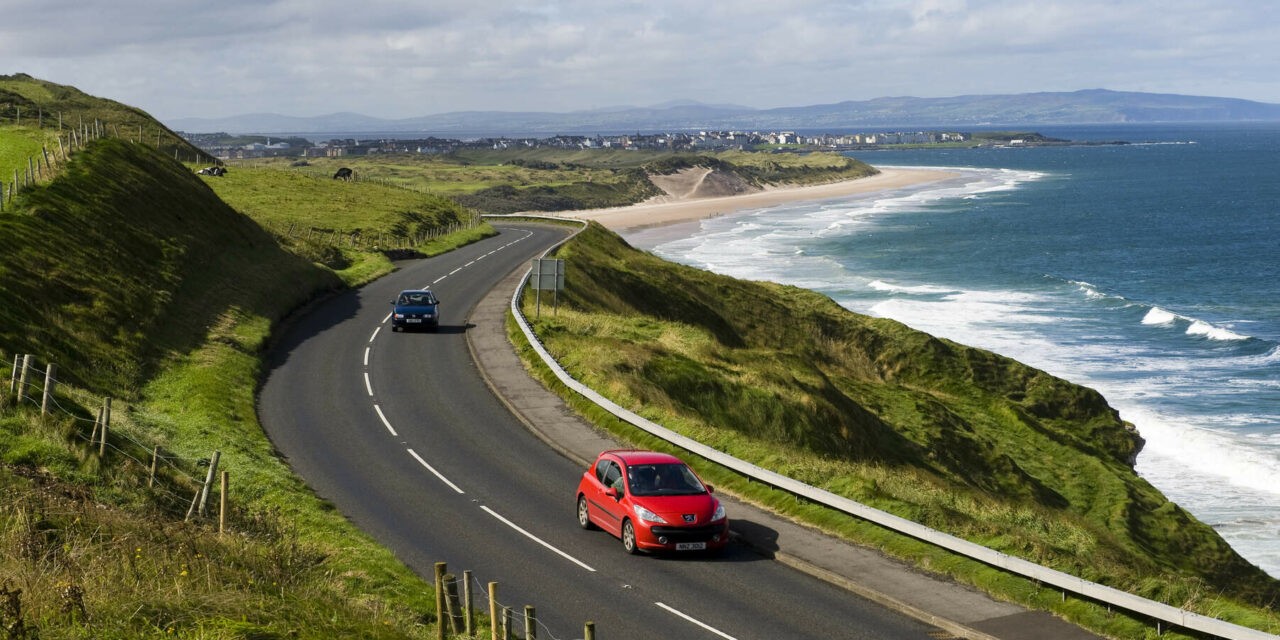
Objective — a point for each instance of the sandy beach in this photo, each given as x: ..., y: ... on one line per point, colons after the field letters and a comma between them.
x: 682, y: 209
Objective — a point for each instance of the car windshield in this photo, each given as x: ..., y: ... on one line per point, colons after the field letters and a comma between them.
x: 669, y: 479
x: 416, y: 299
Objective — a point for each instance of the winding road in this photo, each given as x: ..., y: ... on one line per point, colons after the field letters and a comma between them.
x: 401, y: 434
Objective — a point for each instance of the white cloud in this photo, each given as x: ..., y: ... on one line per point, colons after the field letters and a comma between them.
x: 405, y: 57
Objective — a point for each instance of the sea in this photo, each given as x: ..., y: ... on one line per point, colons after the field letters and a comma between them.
x: 1149, y: 271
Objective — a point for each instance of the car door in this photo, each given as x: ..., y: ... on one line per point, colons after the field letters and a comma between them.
x: 611, y: 509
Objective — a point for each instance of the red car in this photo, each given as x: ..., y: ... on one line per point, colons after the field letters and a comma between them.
x: 652, y: 501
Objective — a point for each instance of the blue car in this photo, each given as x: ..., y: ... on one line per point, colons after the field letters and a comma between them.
x: 415, y: 309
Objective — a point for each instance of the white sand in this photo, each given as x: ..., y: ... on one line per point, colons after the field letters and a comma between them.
x: 682, y: 209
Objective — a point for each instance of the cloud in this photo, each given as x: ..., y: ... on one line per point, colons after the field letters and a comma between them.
x: 401, y: 58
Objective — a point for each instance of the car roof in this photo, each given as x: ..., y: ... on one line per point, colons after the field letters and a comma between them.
x: 636, y: 456
x: 416, y: 291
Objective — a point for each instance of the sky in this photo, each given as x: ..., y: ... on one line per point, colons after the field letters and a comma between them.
x: 405, y: 58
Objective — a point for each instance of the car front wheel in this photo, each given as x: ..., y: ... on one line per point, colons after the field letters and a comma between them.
x: 584, y: 520
x: 629, y: 537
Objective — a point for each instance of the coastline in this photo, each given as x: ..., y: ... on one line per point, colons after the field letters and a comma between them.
x: 653, y: 214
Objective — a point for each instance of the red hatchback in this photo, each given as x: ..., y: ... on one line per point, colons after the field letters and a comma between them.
x: 652, y: 501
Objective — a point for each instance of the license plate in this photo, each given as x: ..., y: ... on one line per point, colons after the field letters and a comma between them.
x: 413, y: 320
x: 690, y: 546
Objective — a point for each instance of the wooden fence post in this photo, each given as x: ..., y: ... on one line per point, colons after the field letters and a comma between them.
x: 22, y: 378
x: 530, y: 623
x: 507, y: 631
x: 493, y: 611
x: 106, y: 423
x: 155, y: 460
x: 222, y: 503
x: 452, y: 603
x: 49, y: 373
x: 441, y: 568
x: 208, y: 480
x: 589, y: 631
x: 97, y: 424
x: 467, y: 603
x: 62, y: 149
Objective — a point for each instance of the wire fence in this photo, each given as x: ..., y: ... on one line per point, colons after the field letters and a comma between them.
x: 170, y: 475
x: 50, y: 161
x: 369, y: 240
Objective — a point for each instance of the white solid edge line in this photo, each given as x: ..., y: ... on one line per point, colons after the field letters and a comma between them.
x: 368, y: 387
x: 384, y: 420
x: 537, y: 539
x: 375, y: 334
x: 433, y: 470
x: 700, y: 624
x: 366, y: 356
x: 388, y: 317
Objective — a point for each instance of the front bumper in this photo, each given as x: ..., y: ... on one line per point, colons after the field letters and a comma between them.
x: 660, y: 537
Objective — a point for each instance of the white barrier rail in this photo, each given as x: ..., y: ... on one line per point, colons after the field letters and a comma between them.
x: 1065, y: 581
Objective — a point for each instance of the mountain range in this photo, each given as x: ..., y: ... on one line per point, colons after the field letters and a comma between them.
x: 1078, y: 107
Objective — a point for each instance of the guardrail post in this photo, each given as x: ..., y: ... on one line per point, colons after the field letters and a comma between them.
x: 441, y: 568
x: 493, y: 611
x: 467, y: 602
x: 530, y: 623
x: 49, y: 373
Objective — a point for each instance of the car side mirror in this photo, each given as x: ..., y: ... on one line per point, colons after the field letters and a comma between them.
x: 393, y: 302
x: 710, y: 489
x: 611, y: 492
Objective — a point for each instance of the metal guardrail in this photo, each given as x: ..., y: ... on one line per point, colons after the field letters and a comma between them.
x: 1065, y: 581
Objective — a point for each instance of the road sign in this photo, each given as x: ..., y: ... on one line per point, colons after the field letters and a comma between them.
x: 548, y: 274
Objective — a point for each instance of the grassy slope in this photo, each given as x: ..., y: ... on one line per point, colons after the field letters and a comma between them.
x: 140, y: 283
x: 76, y: 107
x: 957, y: 438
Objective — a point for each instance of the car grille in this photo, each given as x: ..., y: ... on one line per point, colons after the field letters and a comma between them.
x: 688, y: 534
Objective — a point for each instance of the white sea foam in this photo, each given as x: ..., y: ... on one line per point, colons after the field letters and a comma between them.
x: 880, y: 285
x: 1202, y: 328
x: 1159, y: 316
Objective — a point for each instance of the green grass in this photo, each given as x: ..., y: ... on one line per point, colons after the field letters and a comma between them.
x: 956, y: 438
x: 17, y: 145
x: 140, y: 283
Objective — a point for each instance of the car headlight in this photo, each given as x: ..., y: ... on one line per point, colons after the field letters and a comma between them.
x: 719, y: 515
x: 399, y: 316
x: 648, y: 516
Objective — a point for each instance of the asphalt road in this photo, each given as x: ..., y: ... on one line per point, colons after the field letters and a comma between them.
x: 399, y: 431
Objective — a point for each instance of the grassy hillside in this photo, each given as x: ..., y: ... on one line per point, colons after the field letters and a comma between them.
x: 40, y: 103
x: 960, y: 439
x: 140, y: 283
x: 512, y: 180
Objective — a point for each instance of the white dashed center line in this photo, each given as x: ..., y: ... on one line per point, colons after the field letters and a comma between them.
x: 384, y: 320
x: 368, y: 387
x: 538, y: 540
x: 375, y: 334
x: 700, y: 624
x: 366, y: 355
x: 433, y: 470
x: 384, y: 420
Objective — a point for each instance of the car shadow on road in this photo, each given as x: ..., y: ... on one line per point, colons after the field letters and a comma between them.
x: 752, y: 542
x: 453, y: 329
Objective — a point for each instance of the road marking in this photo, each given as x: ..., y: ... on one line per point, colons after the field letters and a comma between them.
x: 438, y: 279
x: 368, y: 387
x: 384, y: 320
x: 366, y: 355
x: 700, y: 624
x: 537, y: 539
x: 384, y: 420
x: 375, y: 333
x: 433, y: 470
x: 469, y: 264
x: 455, y: 271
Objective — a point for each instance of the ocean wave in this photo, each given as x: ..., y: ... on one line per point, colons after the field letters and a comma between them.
x: 1204, y: 452
x: 1202, y: 328
x: 1195, y: 327
x: 1159, y: 316
x: 880, y: 285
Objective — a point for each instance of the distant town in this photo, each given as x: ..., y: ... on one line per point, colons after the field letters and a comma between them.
x: 226, y: 146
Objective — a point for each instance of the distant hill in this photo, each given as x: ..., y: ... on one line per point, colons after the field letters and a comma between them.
x: 1077, y: 107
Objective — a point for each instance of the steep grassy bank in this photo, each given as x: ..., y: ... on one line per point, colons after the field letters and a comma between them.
x: 957, y: 438
x: 140, y: 283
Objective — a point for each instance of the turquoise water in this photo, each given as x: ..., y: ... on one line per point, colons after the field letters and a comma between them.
x: 1150, y: 272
